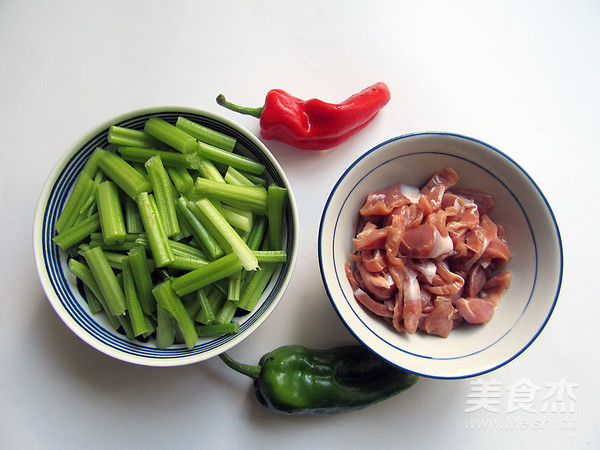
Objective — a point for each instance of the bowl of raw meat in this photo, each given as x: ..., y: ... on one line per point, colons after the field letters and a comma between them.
x: 441, y: 254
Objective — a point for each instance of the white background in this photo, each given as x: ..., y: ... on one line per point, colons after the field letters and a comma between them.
x: 520, y: 75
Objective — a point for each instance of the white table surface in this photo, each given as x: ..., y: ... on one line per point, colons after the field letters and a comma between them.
x: 520, y: 75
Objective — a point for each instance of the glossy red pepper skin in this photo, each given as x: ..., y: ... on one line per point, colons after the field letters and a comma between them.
x: 314, y: 124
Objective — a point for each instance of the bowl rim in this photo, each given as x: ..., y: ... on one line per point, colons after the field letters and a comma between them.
x: 40, y: 261
x: 322, y: 263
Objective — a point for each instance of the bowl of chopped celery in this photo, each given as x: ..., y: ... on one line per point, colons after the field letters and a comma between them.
x: 441, y: 254
x: 165, y: 236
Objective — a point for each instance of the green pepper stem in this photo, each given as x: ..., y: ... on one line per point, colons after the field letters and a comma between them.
x: 256, y: 112
x: 245, y: 369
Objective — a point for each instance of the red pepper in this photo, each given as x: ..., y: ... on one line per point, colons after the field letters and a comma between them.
x: 314, y: 124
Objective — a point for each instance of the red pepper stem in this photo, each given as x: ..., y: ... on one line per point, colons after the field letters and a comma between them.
x: 245, y: 369
x: 256, y: 112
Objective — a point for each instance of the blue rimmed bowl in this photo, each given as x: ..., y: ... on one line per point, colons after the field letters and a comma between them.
x: 61, y: 287
x: 520, y: 206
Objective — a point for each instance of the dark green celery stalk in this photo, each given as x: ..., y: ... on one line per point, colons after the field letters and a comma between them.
x: 123, y: 174
x: 204, y: 238
x: 167, y: 298
x: 276, y: 201
x: 138, y: 262
x: 78, y: 232
x: 249, y: 198
x: 107, y: 281
x: 165, y: 328
x: 170, y: 135
x: 112, y: 222
x: 155, y: 231
x: 206, y: 313
x: 255, y: 286
x: 235, y: 160
x: 134, y: 307
x: 205, y: 134
x: 163, y: 194
x: 208, y: 274
x: 217, y: 329
x: 92, y: 301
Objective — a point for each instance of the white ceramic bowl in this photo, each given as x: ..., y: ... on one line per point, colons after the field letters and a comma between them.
x: 532, y: 232
x: 61, y: 287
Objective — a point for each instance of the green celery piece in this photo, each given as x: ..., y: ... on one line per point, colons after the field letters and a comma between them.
x: 134, y: 307
x: 123, y: 174
x: 206, y: 314
x: 237, y: 218
x: 92, y: 301
x: 205, y: 134
x: 226, y: 313
x: 154, y: 230
x: 165, y: 328
x: 202, y: 235
x: 270, y: 256
x: 257, y: 233
x: 188, y: 263
x: 276, y: 201
x: 234, y: 176
x: 142, y: 277
x: 163, y: 194
x: 169, y: 158
x: 167, y: 298
x: 255, y: 286
x: 123, y: 136
x: 170, y: 135
x: 217, y: 329
x: 181, y: 178
x: 235, y: 160
x: 112, y: 222
x: 249, y: 198
x: 107, y: 281
x: 133, y: 220
x: 79, y: 195
x: 226, y: 233
x: 234, y: 287
x: 77, y: 233
x: 208, y: 274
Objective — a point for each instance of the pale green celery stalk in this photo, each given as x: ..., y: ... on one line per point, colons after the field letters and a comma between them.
x: 217, y: 329
x: 208, y: 274
x: 167, y: 298
x: 257, y: 180
x: 205, y: 134
x: 170, y: 135
x: 154, y: 230
x: 237, y: 218
x: 123, y: 174
x: 165, y: 328
x: 257, y: 233
x: 163, y: 194
x: 270, y: 256
x: 169, y: 158
x: 221, y: 156
x: 234, y: 176
x: 210, y: 214
x: 207, y: 169
x: 107, y: 280
x: 77, y: 233
x: 134, y: 307
x: 234, y: 287
x: 206, y: 313
x: 90, y: 207
x: 181, y: 178
x: 187, y: 263
x: 133, y: 220
x: 204, y: 238
x: 226, y: 313
x: 112, y: 222
x: 255, y: 286
x: 79, y: 195
x: 123, y: 136
x: 142, y: 277
x: 276, y: 201
x: 84, y: 273
x: 249, y: 198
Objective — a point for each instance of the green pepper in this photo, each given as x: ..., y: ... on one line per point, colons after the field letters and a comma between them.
x: 297, y: 380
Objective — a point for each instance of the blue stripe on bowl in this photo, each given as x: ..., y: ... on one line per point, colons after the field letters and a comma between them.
x: 341, y: 276
x: 55, y: 259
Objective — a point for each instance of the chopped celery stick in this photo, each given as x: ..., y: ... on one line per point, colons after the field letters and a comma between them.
x: 188, y: 263
x: 181, y: 178
x: 92, y: 301
x: 210, y: 214
x: 226, y: 313
x: 206, y: 313
x: 270, y: 256
x: 170, y: 135
x: 167, y: 299
x: 123, y: 174
x: 204, y: 238
x: 169, y: 158
x: 121, y: 246
x: 203, y: 276
x: 133, y: 220
x: 234, y: 176
x: 237, y: 218
x: 250, y: 198
x: 206, y: 134
x: 234, y: 287
x: 129, y: 237
x: 107, y: 280
x: 131, y: 138
x: 90, y: 204
x: 150, y: 326
x: 255, y: 286
x: 257, y: 180
x: 165, y: 328
x: 155, y: 232
x: 126, y: 326
x: 142, y: 277
x: 84, y: 273
x: 112, y: 222
x: 79, y: 195
x: 276, y: 200
x: 257, y: 233
x: 134, y: 308
x: 218, y: 329
x: 221, y: 156
x: 163, y: 194
x: 77, y: 233
x: 192, y: 304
